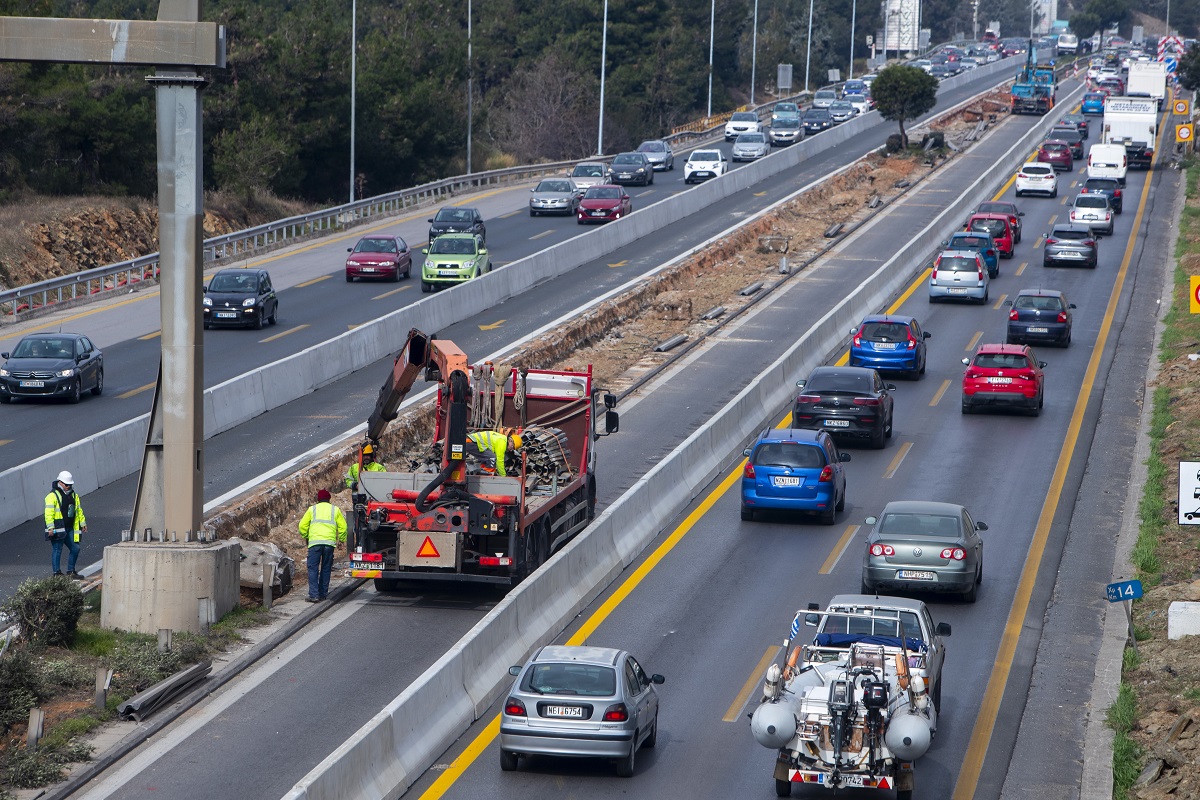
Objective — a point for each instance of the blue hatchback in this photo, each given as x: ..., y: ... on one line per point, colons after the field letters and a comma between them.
x: 981, y: 241
x: 889, y: 343
x: 794, y: 470
x: 1093, y: 103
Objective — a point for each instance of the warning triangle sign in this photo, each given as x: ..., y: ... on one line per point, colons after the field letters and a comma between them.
x: 427, y: 549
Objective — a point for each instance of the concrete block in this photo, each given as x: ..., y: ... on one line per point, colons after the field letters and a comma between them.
x: 329, y: 361
x: 118, y: 450
x: 149, y: 586
x: 1183, y: 619
x: 284, y: 381
x: 235, y: 401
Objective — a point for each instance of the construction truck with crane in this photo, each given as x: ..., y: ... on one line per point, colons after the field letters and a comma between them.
x: 453, y: 517
x: 1034, y: 88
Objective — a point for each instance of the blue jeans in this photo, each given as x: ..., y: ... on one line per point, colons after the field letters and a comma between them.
x: 320, y: 566
x: 72, y: 553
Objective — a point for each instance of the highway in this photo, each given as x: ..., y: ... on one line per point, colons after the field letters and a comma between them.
x: 720, y: 596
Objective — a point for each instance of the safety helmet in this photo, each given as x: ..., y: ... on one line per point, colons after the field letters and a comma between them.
x: 516, y: 440
x: 66, y: 477
x: 368, y: 450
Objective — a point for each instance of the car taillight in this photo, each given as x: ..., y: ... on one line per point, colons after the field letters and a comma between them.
x: 882, y: 550
x: 857, y: 340
x: 1062, y: 316
x: 748, y: 470
x: 956, y: 553
x: 617, y: 712
x: 934, y: 275
x: 1013, y: 314
x: 912, y: 343
x: 1088, y: 242
x: 970, y: 375
x: 514, y: 707
x: 808, y: 398
x: 867, y: 401
x: 1051, y: 240
x: 826, y: 474
x: 979, y: 275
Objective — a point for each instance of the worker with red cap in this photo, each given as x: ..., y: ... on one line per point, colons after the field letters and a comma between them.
x: 322, y: 526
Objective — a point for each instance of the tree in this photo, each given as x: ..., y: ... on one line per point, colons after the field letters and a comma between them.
x: 1189, y: 69
x: 902, y: 93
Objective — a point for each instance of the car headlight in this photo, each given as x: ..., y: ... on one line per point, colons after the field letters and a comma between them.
x: 3, y: 373
x: 249, y: 301
x: 208, y: 302
x: 65, y: 373
x: 351, y: 263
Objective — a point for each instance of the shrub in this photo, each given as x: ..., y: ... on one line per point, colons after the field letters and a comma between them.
x: 29, y: 769
x: 137, y: 664
x: 47, y: 610
x: 21, y: 687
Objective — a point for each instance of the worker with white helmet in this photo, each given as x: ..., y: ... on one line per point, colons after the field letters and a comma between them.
x: 65, y: 523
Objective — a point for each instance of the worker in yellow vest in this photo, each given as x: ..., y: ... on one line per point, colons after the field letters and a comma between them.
x: 322, y: 526
x: 64, y: 523
x: 370, y: 464
x: 490, y: 448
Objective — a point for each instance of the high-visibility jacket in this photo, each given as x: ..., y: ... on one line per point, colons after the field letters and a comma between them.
x: 497, y: 443
x: 323, y: 523
x: 352, y: 473
x: 55, y: 502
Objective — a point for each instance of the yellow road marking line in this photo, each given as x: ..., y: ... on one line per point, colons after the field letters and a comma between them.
x: 132, y: 392
x: 985, y: 722
x: 897, y: 460
x: 974, y: 341
x: 1021, y: 269
x: 5, y: 441
x: 540, y: 235
x: 835, y: 555
x: 937, y: 396
x: 512, y: 213
x: 150, y: 336
x: 282, y: 334
x: 392, y: 292
x: 1000, y: 302
x: 314, y: 280
x: 1037, y: 243
x: 739, y: 702
x: 1053, y: 219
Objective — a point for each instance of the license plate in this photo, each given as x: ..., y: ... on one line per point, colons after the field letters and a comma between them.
x: 837, y: 423
x: 33, y: 384
x: 226, y: 315
x: 702, y: 174
x: 1039, y: 330
x: 368, y: 269
x: 599, y: 213
x: 625, y: 176
x: 957, y: 290
x: 785, y: 481
x: 914, y: 575
x: 855, y: 781
x: 999, y: 380
x: 885, y: 345
x: 447, y: 273
x: 565, y: 712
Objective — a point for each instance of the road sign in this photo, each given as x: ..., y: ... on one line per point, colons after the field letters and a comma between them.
x: 1123, y: 590
x: 1183, y: 133
x: 1189, y: 471
x: 1171, y: 64
x: 1180, y: 108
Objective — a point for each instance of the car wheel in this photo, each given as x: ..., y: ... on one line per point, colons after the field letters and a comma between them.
x: 349, y: 278
x: 783, y: 788
x: 426, y: 287
x: 1067, y: 342
x: 747, y: 514
x: 966, y: 407
x: 890, y: 424
x: 924, y: 361
x: 1018, y: 192
x: 396, y: 276
x: 841, y: 503
x: 625, y: 765
x: 829, y: 517
x: 258, y: 321
x: 76, y: 391
x: 984, y: 301
x: 532, y: 213
x: 878, y: 440
x: 206, y: 325
x: 508, y: 761
x: 1055, y: 192
x: 652, y: 739
x: 972, y: 594
x: 274, y: 318
x: 98, y: 389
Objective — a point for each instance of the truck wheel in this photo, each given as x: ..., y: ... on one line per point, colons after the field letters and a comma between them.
x: 591, y: 498
x: 508, y: 761
x: 904, y: 794
x: 783, y: 788
x: 386, y: 585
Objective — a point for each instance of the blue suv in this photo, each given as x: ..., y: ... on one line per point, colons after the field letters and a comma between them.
x: 889, y: 343
x: 794, y: 470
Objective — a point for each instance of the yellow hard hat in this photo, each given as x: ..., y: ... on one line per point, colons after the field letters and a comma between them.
x: 516, y: 439
x: 368, y: 450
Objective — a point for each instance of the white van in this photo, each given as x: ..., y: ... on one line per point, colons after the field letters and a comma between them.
x: 1107, y: 161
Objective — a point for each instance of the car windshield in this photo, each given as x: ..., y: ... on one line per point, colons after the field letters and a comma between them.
x: 751, y: 138
x: 993, y: 226
x: 376, y: 246
x: 226, y: 282
x: 1103, y: 184
x: 1036, y: 170
x: 995, y: 208
x: 1091, y: 201
x: 554, y: 186
x: 652, y: 147
x: 789, y: 454
x: 1095, y: 97
x: 841, y: 105
x: 786, y: 108
x: 1001, y: 361
x: 817, y: 114
x: 588, y: 171
x: 825, y: 94
x: 973, y: 242
x: 884, y: 331
x: 883, y: 624
x: 908, y: 524
x: 1071, y: 233
x: 1067, y: 134
x: 453, y: 215
x: 445, y: 246
x: 786, y: 124
x: 585, y: 680
x: 44, y: 348
x: 840, y: 382
x: 705, y: 155
x: 628, y: 158
x: 1056, y: 147
x: 1038, y: 302
x: 957, y: 264
x: 744, y: 116
x: 602, y: 193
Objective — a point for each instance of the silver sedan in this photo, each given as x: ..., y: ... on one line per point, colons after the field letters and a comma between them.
x: 555, y: 196
x: 924, y: 546
x: 750, y: 147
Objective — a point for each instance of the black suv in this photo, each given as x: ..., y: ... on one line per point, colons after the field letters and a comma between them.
x: 453, y: 219
x: 241, y: 298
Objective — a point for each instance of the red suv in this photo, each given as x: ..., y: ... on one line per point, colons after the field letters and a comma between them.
x: 999, y: 226
x: 1004, y: 375
x: 1057, y: 154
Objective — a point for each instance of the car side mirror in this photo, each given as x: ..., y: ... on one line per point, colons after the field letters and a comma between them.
x: 431, y: 219
x: 853, y: 331
x: 612, y: 421
x: 1007, y: 303
x: 871, y: 520
x: 514, y: 671
x: 1070, y: 305
x: 800, y: 384
x: 966, y: 362
x: 349, y: 249
x: 891, y: 387
x: 4, y: 355
x: 80, y: 357
x: 1042, y: 364
x: 811, y: 620
x: 483, y: 251
x: 659, y: 679
x: 843, y: 456
x: 204, y: 289
x: 534, y: 189
x: 945, y: 243
x: 943, y: 629
x: 624, y: 197
x: 746, y: 452
x: 926, y: 335
x: 981, y: 526
x: 425, y: 250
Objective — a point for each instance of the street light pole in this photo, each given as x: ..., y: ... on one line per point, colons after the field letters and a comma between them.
x: 808, y: 55
x: 853, y: 18
x: 753, y: 52
x: 353, y: 85
x: 712, y: 30
x: 603, y: 57
x: 470, y: 88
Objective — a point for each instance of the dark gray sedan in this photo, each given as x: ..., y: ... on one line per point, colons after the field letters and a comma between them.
x: 60, y: 365
x: 924, y: 546
x: 579, y: 702
x: 1039, y: 315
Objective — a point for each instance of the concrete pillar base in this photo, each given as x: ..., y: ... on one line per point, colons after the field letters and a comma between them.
x: 176, y: 586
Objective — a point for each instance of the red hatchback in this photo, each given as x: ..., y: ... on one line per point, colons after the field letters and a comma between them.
x: 1057, y: 154
x: 1003, y: 375
x: 379, y: 256
x: 604, y: 203
x: 999, y: 226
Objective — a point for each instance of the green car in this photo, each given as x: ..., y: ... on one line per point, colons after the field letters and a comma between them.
x: 454, y: 258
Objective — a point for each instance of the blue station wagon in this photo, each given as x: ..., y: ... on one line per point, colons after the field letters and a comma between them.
x: 794, y: 470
